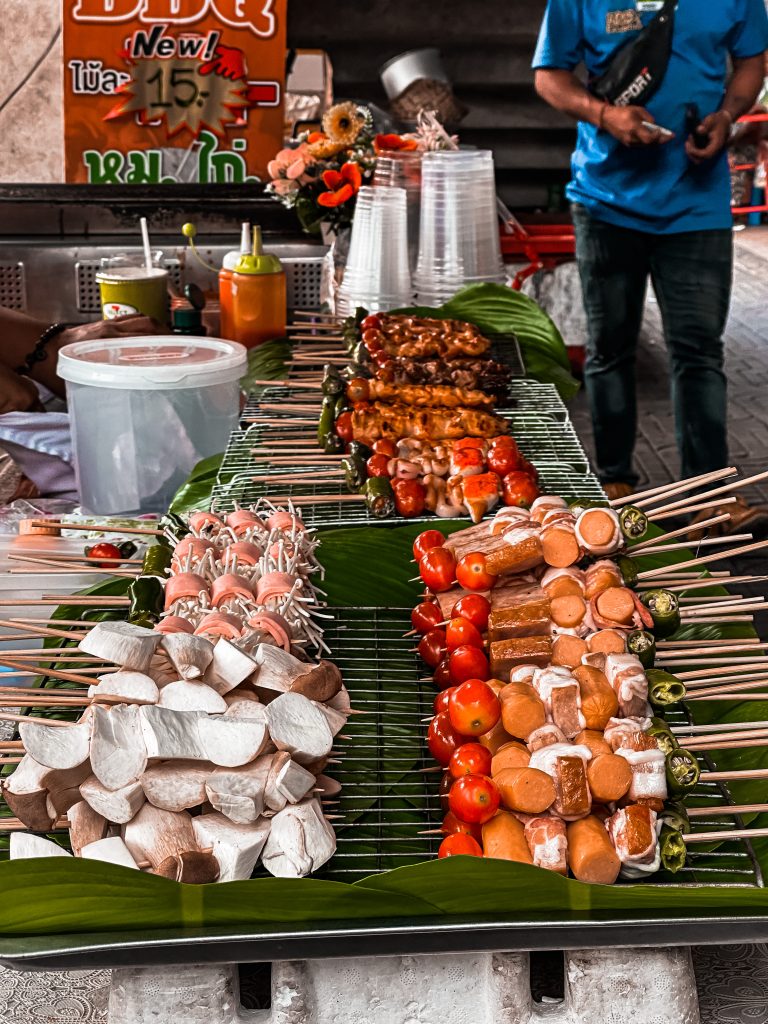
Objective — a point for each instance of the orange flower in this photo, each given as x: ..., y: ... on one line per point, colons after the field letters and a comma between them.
x: 394, y: 143
x: 342, y: 185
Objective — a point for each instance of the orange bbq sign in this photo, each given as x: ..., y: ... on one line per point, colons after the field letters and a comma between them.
x: 168, y: 91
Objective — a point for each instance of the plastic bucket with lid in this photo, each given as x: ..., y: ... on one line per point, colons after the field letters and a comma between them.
x: 144, y: 411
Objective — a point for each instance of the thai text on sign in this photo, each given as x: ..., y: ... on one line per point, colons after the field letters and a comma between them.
x: 166, y: 91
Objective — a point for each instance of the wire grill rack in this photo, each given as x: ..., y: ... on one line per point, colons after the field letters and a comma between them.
x: 390, y: 791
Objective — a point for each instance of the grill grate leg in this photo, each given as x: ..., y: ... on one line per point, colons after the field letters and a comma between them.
x: 603, y: 986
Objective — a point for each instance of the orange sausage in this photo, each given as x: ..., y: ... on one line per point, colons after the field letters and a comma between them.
x: 616, y: 604
x: 607, y: 641
x: 597, y: 527
x: 595, y: 741
x: 591, y: 855
x: 599, y: 703
x: 568, y: 650
x: 504, y: 839
x: 568, y: 611
x: 564, y: 586
x: 511, y: 755
x: 527, y: 790
x: 600, y: 577
x: 495, y: 738
x: 609, y: 777
x: 559, y: 546
x: 522, y: 710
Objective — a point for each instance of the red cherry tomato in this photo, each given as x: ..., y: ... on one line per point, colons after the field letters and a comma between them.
x: 530, y: 469
x: 474, y: 798
x: 459, y: 845
x: 460, y: 632
x: 502, y: 441
x: 381, y: 358
x: 442, y: 739
x: 446, y: 781
x: 451, y: 826
x: 467, y: 663
x: 104, y: 550
x: 432, y: 647
x: 344, y: 427
x: 378, y: 465
x: 442, y: 698
x: 472, y: 573
x: 519, y: 489
x: 385, y: 447
x: 425, y: 542
x: 426, y: 616
x: 438, y: 569
x: 410, y: 497
x: 371, y: 323
x: 441, y: 677
x: 503, y: 459
x: 470, y: 759
x: 474, y: 708
x: 475, y: 608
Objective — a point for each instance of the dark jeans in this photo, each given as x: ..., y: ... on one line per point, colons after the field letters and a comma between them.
x: 691, y: 274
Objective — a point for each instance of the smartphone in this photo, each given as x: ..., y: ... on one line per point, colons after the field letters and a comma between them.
x: 692, y: 122
x: 658, y: 128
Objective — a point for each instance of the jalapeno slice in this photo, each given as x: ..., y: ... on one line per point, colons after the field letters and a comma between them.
x: 157, y: 561
x: 332, y: 444
x: 676, y: 816
x: 342, y: 405
x: 633, y: 522
x: 379, y: 497
x: 664, y: 607
x: 672, y: 849
x: 582, y: 504
x: 642, y: 644
x: 664, y: 738
x: 327, y: 418
x: 147, y: 598
x: 682, y: 771
x: 664, y: 688
x: 628, y: 569
x: 359, y: 450
x: 355, y: 472
x: 333, y: 383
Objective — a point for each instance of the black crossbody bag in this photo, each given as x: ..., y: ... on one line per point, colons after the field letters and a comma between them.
x: 637, y: 68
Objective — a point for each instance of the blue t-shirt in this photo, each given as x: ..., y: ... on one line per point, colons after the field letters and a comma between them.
x: 656, y: 188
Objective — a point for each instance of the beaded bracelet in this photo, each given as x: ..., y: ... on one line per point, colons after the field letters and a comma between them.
x: 38, y: 353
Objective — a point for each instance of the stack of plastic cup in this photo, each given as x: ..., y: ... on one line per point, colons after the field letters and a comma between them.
x: 377, y: 275
x: 459, y: 240
x: 403, y: 170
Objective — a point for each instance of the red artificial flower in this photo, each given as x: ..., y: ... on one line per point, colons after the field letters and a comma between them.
x: 342, y: 185
x: 394, y: 143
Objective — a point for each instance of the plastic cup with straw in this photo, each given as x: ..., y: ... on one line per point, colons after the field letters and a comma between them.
x: 128, y: 286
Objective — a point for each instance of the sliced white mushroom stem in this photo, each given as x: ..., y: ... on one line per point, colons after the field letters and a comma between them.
x: 190, y: 655
x: 186, y: 695
x: 298, y: 726
x: 117, y: 805
x: 118, y: 748
x: 111, y: 850
x: 85, y: 826
x: 239, y: 793
x: 177, y: 785
x: 129, y: 646
x: 235, y: 847
x: 125, y: 687
x: 24, y: 845
x: 155, y: 835
x: 229, y: 668
x: 300, y: 841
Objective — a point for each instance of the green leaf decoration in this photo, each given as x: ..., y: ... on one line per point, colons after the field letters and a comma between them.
x: 195, y: 493
x: 498, y: 310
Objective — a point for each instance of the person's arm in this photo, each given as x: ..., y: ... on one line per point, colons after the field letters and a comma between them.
x: 562, y: 90
x: 743, y: 90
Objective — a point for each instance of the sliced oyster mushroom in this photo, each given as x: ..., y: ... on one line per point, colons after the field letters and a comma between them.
x: 118, y: 805
x: 235, y: 847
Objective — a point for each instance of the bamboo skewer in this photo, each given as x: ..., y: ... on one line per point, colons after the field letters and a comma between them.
x: 728, y: 688
x: 705, y: 524
x: 731, y: 834
x: 96, y: 527
x: 7, y: 716
x: 733, y: 666
x: 60, y: 559
x: 684, y: 730
x: 318, y: 499
x: 750, y: 774
x: 760, y: 545
x: 703, y: 507
x: 324, y: 476
x: 39, y: 631
x: 674, y: 488
x: 725, y: 489
x: 53, y: 571
x: 703, y: 812
x: 70, y: 677
x: 75, y: 600
x: 702, y: 584
x: 702, y: 649
x: 736, y: 734
x: 664, y: 645
x: 707, y: 542
x: 729, y: 697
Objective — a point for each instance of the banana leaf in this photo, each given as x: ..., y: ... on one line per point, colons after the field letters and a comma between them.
x: 496, y: 309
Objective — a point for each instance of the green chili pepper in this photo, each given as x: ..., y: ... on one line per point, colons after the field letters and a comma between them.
x: 676, y: 816
x: 664, y: 607
x: 332, y: 444
x: 663, y: 736
x: 175, y: 524
x: 361, y: 356
x: 642, y: 644
x: 327, y: 418
x: 333, y: 384
x: 379, y: 497
x: 355, y: 472
x: 157, y: 561
x: 672, y: 849
x: 682, y: 771
x: 342, y: 405
x: 357, y: 369
x: 127, y: 548
x: 633, y: 522
x: 628, y: 569
x: 580, y: 505
x: 147, y: 600
x: 359, y: 450
x: 664, y: 688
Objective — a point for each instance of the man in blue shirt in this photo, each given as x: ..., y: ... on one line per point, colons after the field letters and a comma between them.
x: 648, y: 203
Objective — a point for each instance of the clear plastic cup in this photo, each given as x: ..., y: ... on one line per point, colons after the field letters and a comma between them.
x: 403, y: 170
x: 459, y: 240
x: 377, y: 274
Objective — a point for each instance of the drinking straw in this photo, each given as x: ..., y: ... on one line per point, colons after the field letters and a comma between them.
x: 145, y: 241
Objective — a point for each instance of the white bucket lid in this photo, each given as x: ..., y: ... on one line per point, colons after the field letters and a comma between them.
x: 153, y: 363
